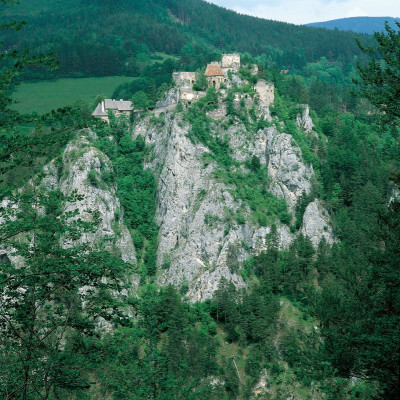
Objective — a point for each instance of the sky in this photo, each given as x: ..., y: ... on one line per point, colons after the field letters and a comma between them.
x: 303, y: 12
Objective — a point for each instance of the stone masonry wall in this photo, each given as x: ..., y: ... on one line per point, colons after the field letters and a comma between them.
x: 184, y: 79
x: 231, y: 61
x: 266, y: 91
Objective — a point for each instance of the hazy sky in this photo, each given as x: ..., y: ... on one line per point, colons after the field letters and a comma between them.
x: 302, y: 12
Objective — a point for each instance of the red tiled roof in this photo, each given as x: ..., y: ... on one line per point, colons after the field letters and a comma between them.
x: 214, y: 70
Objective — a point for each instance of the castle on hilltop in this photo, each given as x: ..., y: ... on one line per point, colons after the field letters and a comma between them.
x: 217, y: 75
x: 216, y: 72
x: 220, y: 75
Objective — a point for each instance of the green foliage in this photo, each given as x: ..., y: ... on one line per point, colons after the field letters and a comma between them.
x: 255, y: 164
x: 210, y: 101
x: 211, y: 220
x: 297, y: 91
x: 93, y: 178
x: 250, y: 188
x: 44, y: 313
x: 152, y: 94
x: 167, y: 353
x: 379, y: 80
x: 249, y: 319
x: 245, y: 74
x: 201, y: 81
x: 136, y: 190
x: 140, y: 101
x: 129, y: 38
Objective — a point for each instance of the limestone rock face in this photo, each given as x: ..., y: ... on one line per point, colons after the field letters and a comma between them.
x: 193, y: 243
x: 231, y: 61
x: 316, y: 224
x: 236, y: 81
x: 266, y: 91
x: 170, y: 99
x: 81, y: 169
x: 290, y: 176
x: 199, y: 241
x: 304, y: 121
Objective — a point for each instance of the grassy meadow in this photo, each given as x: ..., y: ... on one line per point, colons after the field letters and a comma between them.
x: 44, y: 96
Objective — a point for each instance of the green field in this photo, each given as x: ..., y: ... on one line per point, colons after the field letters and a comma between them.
x: 45, y: 96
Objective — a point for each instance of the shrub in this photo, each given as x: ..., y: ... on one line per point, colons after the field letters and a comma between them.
x: 92, y: 178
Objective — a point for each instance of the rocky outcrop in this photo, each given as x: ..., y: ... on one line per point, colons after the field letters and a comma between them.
x: 82, y: 169
x: 201, y: 240
x: 290, y: 175
x: 304, y: 121
x: 170, y: 99
x: 316, y: 224
x: 193, y: 242
x: 265, y: 91
x: 205, y: 230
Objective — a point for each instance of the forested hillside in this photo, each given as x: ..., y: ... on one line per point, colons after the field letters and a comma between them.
x: 367, y: 25
x: 99, y: 38
x: 218, y: 249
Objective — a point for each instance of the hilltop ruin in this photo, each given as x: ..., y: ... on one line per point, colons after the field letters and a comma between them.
x: 217, y: 75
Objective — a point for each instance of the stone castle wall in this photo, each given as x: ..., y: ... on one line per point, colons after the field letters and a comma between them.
x: 184, y: 79
x: 189, y: 96
x: 265, y: 91
x: 231, y: 61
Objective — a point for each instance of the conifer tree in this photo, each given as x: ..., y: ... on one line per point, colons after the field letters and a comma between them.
x: 379, y: 80
x: 53, y: 287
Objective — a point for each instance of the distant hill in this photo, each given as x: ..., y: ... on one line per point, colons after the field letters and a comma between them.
x: 106, y: 37
x: 367, y: 25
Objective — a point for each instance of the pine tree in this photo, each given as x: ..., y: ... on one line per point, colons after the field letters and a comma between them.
x: 53, y: 287
x: 379, y: 80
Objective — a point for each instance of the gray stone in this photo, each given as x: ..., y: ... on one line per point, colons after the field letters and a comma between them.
x: 78, y: 159
x: 265, y: 91
x: 290, y: 175
x: 316, y: 224
x: 304, y: 121
x: 170, y: 99
x: 199, y: 244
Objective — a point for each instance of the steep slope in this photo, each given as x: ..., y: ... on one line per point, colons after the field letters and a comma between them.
x: 111, y: 38
x: 208, y: 226
x: 80, y: 170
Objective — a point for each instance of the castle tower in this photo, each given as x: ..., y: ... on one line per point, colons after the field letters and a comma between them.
x: 215, y: 75
x: 230, y: 62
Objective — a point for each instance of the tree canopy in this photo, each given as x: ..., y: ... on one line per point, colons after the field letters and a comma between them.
x: 379, y: 79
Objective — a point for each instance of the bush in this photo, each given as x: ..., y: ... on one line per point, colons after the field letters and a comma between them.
x: 92, y: 178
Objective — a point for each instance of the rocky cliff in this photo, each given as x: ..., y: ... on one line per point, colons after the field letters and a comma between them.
x: 201, y: 237
x: 81, y: 168
x: 207, y: 227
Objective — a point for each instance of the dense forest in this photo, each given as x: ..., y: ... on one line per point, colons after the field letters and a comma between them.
x: 103, y: 38
x: 154, y: 343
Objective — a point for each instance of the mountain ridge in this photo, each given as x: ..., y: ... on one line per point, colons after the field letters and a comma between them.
x: 367, y: 25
